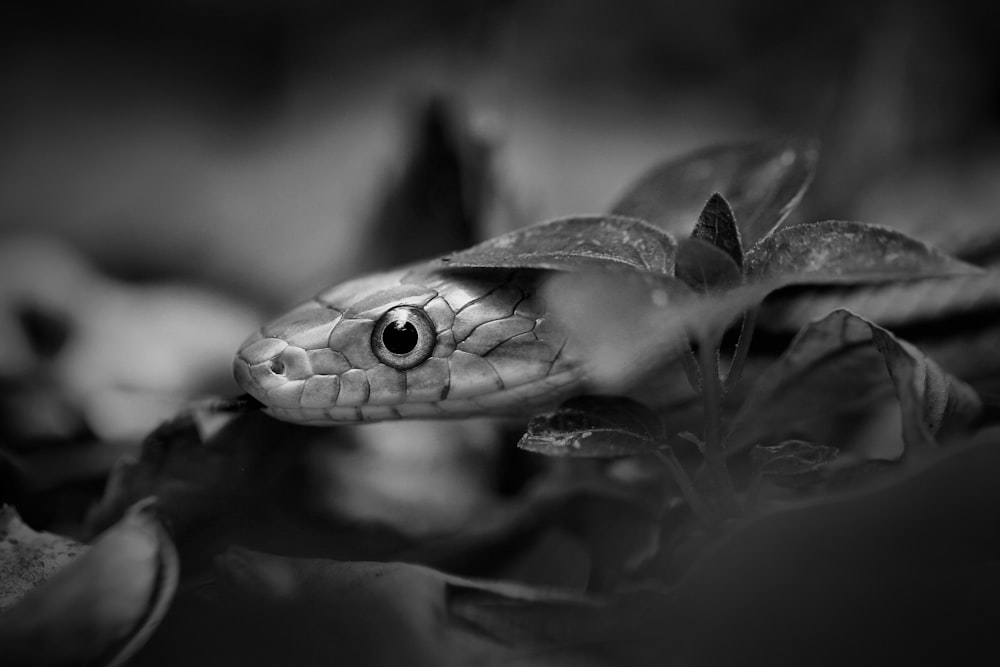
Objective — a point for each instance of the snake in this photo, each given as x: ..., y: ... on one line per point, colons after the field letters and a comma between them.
x: 414, y: 343
x: 443, y: 339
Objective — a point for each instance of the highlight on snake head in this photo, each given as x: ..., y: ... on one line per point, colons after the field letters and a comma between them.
x: 415, y: 343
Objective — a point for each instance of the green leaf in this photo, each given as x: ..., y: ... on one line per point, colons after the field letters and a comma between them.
x: 573, y: 244
x: 846, y: 252
x: 844, y: 364
x: 791, y: 457
x: 717, y: 225
x: 595, y: 427
x: 762, y: 181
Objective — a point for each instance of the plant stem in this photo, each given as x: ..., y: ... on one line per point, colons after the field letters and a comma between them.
x: 694, y: 500
x: 690, y: 365
x: 742, y: 348
x: 715, y: 451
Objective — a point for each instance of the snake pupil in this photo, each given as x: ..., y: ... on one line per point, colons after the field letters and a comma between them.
x: 400, y: 337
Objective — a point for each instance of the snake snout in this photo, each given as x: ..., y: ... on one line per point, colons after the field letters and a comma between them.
x: 264, y: 367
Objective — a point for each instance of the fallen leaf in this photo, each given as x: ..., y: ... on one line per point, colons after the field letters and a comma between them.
x: 309, y: 610
x: 104, y: 604
x: 28, y: 558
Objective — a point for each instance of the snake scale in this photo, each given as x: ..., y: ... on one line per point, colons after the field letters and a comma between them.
x: 413, y: 343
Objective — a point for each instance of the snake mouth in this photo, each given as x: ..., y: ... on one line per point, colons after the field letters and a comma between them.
x: 519, y: 400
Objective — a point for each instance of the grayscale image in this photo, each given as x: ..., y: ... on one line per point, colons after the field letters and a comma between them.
x: 499, y: 333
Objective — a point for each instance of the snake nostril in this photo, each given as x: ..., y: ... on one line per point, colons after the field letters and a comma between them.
x: 277, y: 366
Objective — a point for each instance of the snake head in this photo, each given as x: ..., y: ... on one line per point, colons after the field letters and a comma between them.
x: 410, y: 344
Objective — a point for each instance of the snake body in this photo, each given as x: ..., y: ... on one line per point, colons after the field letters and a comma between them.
x: 413, y: 343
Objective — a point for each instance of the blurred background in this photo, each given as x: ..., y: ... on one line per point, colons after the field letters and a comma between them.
x: 173, y: 174
x: 244, y: 144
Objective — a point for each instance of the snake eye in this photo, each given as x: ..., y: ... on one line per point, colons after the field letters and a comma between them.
x: 403, y: 337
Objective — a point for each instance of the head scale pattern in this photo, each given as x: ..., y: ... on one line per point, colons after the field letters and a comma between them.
x: 482, y: 344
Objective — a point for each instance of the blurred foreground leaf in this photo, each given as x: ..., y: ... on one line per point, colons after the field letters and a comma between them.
x: 309, y: 611
x: 904, y: 575
x: 859, y: 578
x: 706, y: 267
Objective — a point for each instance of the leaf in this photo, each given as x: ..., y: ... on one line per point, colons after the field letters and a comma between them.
x: 857, y: 580
x: 717, y: 225
x: 927, y: 300
x: 846, y: 252
x: 791, y: 457
x: 706, y: 267
x: 879, y: 556
x: 843, y: 364
x: 310, y: 611
x: 27, y: 557
x: 595, y: 427
x: 629, y: 326
x: 573, y: 244
x: 955, y: 320
x: 106, y: 602
x: 656, y: 315
x: 762, y: 181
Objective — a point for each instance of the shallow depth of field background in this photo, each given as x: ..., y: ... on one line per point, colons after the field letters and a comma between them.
x: 243, y: 144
